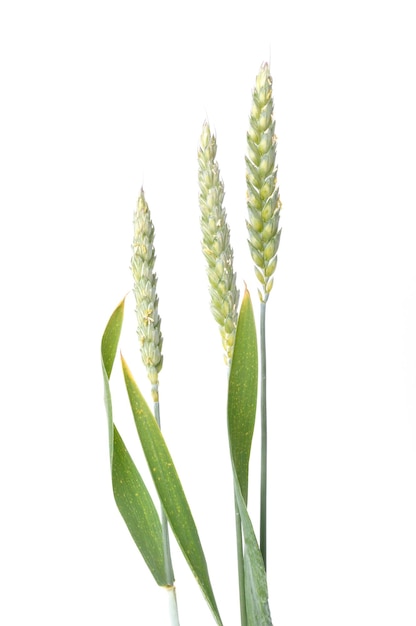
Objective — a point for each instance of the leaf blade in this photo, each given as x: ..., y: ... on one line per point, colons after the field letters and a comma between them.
x: 255, y: 579
x: 241, y: 413
x: 242, y: 393
x: 170, y: 490
x: 130, y: 493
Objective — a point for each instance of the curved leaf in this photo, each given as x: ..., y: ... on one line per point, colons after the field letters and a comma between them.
x: 131, y: 495
x: 169, y: 489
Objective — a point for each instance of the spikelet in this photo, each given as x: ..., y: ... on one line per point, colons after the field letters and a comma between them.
x: 216, y: 242
x: 263, y: 200
x: 148, y: 320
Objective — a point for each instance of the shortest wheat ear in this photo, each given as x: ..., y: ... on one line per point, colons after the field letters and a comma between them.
x: 148, y: 320
x: 216, y: 243
x: 263, y: 200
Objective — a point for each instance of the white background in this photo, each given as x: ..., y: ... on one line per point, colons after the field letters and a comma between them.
x: 99, y: 98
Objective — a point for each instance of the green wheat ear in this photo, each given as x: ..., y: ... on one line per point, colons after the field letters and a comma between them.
x: 216, y: 242
x: 148, y: 320
x: 263, y: 200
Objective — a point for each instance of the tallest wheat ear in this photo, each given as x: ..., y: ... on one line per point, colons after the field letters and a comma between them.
x: 263, y: 203
x: 263, y: 198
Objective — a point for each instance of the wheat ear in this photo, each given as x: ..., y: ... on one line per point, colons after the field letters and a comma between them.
x: 216, y: 242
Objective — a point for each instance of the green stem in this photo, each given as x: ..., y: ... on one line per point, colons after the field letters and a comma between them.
x: 240, y: 554
x: 173, y: 605
x: 263, y: 407
x: 240, y: 560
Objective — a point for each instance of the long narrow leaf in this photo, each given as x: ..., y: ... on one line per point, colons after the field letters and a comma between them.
x: 169, y: 489
x: 242, y: 402
x: 242, y: 393
x: 131, y: 495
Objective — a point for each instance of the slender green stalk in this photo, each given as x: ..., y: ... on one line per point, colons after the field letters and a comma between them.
x: 150, y: 338
x: 173, y: 605
x: 263, y: 408
x: 263, y: 203
x: 165, y: 531
x: 240, y: 562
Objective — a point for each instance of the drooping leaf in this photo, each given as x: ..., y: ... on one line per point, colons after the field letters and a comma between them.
x: 242, y: 393
x: 131, y: 495
x: 169, y: 489
x: 242, y: 402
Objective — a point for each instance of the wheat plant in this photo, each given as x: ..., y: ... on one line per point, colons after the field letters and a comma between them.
x: 149, y: 527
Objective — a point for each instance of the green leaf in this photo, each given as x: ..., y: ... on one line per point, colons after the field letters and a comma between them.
x: 131, y: 495
x: 255, y: 579
x: 242, y: 403
x: 242, y: 393
x: 169, y: 489
x: 109, y: 343
x: 111, y: 338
